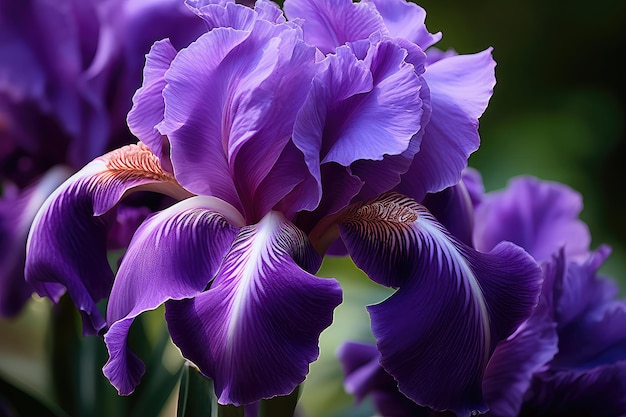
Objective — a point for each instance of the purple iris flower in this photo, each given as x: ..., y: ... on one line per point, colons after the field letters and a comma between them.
x: 68, y: 70
x: 569, y: 357
x: 281, y: 139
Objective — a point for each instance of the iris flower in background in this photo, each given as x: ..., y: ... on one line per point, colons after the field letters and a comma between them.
x: 282, y: 139
x: 569, y: 357
x: 68, y: 70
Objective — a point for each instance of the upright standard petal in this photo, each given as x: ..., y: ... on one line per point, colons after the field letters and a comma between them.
x: 255, y: 331
x: 66, y: 247
x: 220, y: 14
x: 230, y: 103
x: 173, y: 255
x: 148, y: 103
x: 460, y: 88
x: 406, y: 20
x: 540, y: 216
x: 365, y: 114
x: 580, y: 289
x: 332, y: 23
x: 437, y: 333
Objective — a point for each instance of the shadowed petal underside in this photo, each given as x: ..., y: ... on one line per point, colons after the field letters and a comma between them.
x: 255, y: 331
x: 436, y: 334
x: 66, y: 248
x: 173, y: 255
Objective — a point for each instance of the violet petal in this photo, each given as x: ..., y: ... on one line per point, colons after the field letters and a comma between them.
x: 255, y: 331
x: 173, y: 255
x: 399, y: 244
x: 66, y: 247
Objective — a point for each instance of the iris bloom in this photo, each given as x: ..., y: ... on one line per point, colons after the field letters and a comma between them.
x: 568, y: 357
x: 68, y: 70
x: 283, y: 140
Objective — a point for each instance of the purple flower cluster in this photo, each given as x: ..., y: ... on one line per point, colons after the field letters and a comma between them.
x: 569, y: 357
x: 68, y: 70
x: 330, y: 128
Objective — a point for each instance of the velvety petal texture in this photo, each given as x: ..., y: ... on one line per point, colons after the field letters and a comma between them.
x: 255, y: 331
x: 57, y: 260
x: 398, y: 243
x: 526, y: 352
x: 406, y: 20
x: 173, y: 255
x: 364, y: 376
x: 460, y: 88
x: 540, y: 216
x: 597, y: 393
x: 231, y: 99
x: 365, y: 113
x: 332, y: 23
x: 453, y: 208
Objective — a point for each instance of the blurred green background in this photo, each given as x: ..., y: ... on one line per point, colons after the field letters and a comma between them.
x: 559, y: 104
x: 557, y: 113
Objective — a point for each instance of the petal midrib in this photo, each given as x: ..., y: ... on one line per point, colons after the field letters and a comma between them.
x: 465, y: 270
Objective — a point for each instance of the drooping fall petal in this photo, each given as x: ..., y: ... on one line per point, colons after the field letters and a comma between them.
x: 436, y: 334
x: 173, y: 255
x: 66, y: 247
x: 255, y: 331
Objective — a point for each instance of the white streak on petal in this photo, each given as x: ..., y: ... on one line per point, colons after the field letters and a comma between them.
x: 462, y: 269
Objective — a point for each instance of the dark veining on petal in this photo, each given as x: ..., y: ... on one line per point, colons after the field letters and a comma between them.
x: 382, y: 216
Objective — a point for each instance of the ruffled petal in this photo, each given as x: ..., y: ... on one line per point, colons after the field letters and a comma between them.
x: 195, y: 143
x: 581, y: 289
x: 223, y: 14
x: 16, y: 215
x: 398, y: 243
x: 460, y: 88
x: 66, y: 247
x: 540, y: 216
x: 173, y: 255
x: 406, y: 20
x: 366, y: 114
x: 148, y: 104
x: 255, y: 331
x: 332, y: 23
x: 586, y: 310
x: 526, y: 352
x: 600, y: 392
x: 227, y: 142
x: 364, y: 376
x: 361, y: 368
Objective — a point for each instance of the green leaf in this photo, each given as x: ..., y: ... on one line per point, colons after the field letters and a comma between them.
x: 230, y: 411
x: 196, y: 397
x: 283, y: 406
x: 64, y: 338
x: 17, y: 400
x: 158, y: 382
